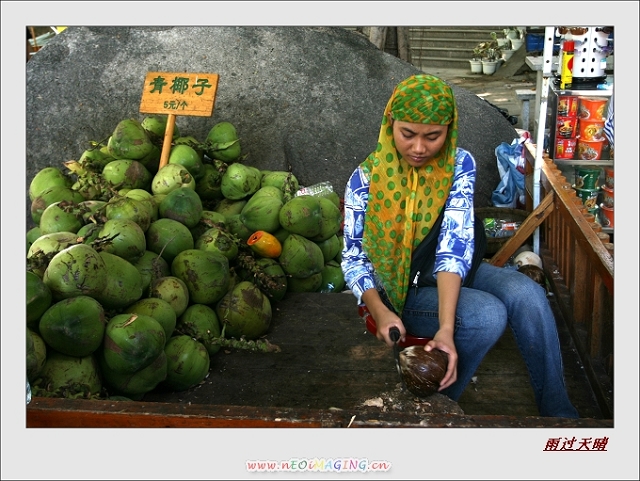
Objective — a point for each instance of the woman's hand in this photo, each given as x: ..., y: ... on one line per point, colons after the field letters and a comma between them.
x: 443, y: 340
x: 384, y: 317
x: 385, y: 320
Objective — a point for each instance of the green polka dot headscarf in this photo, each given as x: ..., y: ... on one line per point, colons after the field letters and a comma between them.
x: 404, y: 201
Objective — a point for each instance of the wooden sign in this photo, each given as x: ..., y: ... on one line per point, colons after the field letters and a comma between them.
x: 179, y: 93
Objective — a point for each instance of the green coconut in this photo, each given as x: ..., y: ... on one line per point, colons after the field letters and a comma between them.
x: 191, y: 141
x: 151, y: 266
x: 205, y: 273
x: 68, y: 376
x: 45, y: 247
x: 129, y: 140
x: 128, y: 208
x: 245, y: 311
x: 331, y: 220
x: 168, y: 237
x: 182, y: 204
x: 173, y: 290
x: 222, y: 142
x: 75, y: 271
x: 151, y: 161
x: 126, y: 173
x: 218, y: 240
x: 36, y: 354
x: 124, y: 282
x: 56, y: 193
x: 236, y: 227
x: 126, y: 238
x: 147, y: 199
x: 202, y: 324
x: 156, y: 126
x: 301, y: 257
x: 88, y: 233
x: 228, y: 207
x: 189, y: 158
x: 39, y: 299
x: 137, y: 383
x: 275, y: 287
x: 157, y: 308
x: 312, y: 283
x: 172, y: 177
x: 187, y: 363
x: 47, y: 178
x: 283, y: 180
x: 60, y: 217
x: 95, y: 159
x: 240, y: 181
x: 208, y: 186
x: 208, y: 220
x: 93, y: 211
x: 74, y: 326
x: 332, y: 278
x: 32, y: 235
x: 132, y: 342
x: 302, y: 215
x: 262, y: 211
x: 330, y: 247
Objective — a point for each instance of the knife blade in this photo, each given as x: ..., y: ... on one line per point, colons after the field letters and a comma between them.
x: 394, y: 335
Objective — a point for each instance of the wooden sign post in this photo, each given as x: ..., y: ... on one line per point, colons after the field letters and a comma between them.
x: 178, y: 93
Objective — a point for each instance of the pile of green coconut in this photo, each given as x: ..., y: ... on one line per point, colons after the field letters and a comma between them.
x: 142, y: 266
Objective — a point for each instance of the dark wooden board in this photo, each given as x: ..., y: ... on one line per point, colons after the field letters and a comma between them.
x: 326, y: 359
x: 328, y: 367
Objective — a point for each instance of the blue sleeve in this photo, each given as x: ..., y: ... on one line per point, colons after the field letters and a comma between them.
x: 455, y: 242
x: 356, y: 266
x: 608, y: 124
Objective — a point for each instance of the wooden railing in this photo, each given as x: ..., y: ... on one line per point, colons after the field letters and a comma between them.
x: 582, y: 274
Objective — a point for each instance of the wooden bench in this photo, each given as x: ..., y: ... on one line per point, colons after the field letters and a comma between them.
x: 525, y: 96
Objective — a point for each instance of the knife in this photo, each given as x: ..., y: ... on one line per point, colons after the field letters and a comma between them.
x: 394, y: 335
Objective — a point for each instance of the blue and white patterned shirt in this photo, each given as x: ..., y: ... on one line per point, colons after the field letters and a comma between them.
x: 608, y: 124
x: 455, y: 242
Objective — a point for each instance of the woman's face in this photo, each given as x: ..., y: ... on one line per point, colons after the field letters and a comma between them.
x: 418, y: 143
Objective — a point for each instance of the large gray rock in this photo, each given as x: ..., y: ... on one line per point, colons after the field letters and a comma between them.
x: 305, y: 98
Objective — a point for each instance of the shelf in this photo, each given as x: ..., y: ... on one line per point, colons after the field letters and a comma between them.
x: 596, y: 163
x: 583, y: 93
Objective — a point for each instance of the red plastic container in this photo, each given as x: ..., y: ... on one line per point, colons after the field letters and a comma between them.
x: 589, y: 150
x: 590, y: 130
x: 565, y: 148
x: 566, y: 127
x: 607, y: 216
x: 608, y: 177
x: 607, y: 196
x: 568, y: 106
x: 593, y: 108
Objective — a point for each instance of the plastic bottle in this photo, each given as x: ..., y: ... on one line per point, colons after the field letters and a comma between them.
x: 28, y: 392
x: 320, y: 189
x: 566, y: 76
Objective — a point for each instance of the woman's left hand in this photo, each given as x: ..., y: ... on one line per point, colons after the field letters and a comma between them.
x: 444, y: 341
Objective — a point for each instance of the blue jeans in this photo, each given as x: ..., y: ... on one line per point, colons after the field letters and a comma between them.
x: 497, y: 297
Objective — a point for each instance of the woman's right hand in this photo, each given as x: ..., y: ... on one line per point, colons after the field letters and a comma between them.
x: 385, y: 320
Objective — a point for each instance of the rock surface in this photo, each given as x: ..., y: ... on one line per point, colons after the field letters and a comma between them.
x: 305, y: 98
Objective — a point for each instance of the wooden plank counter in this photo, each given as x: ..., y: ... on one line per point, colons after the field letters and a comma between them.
x: 328, y: 368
